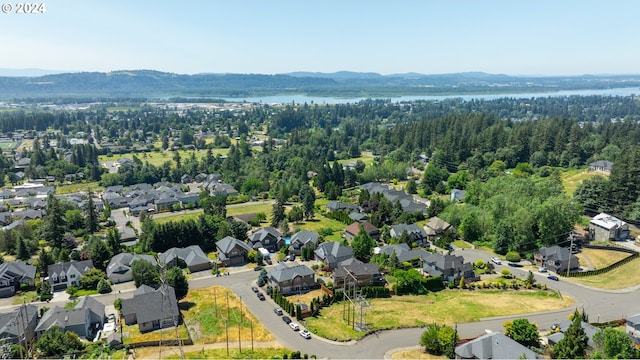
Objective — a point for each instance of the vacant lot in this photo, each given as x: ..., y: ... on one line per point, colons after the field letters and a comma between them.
x: 625, y: 276
x: 449, y: 306
x: 600, y: 258
x: 208, y: 316
x: 572, y: 178
x: 306, y: 298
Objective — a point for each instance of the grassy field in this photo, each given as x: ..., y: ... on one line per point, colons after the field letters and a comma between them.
x: 205, y: 309
x: 74, y: 188
x: 627, y: 275
x: 232, y: 210
x: 572, y: 178
x: 414, y: 354
x: 461, y: 244
x: 218, y: 353
x: 306, y: 298
x: 7, y: 145
x: 366, y: 157
x: 449, y: 306
x: 600, y: 258
x: 321, y: 222
x: 134, y: 334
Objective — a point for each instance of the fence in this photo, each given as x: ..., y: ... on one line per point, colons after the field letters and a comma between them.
x: 634, y: 255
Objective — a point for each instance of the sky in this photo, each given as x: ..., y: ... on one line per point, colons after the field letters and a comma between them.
x: 514, y: 37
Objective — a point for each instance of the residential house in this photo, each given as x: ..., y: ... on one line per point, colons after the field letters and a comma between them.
x: 19, y: 325
x: 63, y: 275
x: 151, y: 308
x: 437, y: 228
x: 333, y: 253
x: 556, y: 259
x: 404, y: 253
x: 393, y: 195
x: 353, y: 229
x: 337, y: 205
x: 268, y: 238
x: 189, y: 199
x: 303, y: 239
x: 416, y: 233
x: 607, y: 227
x: 192, y: 256
x: 232, y: 251
x: 457, y: 195
x: 85, y: 319
x: 185, y: 179
x: 633, y: 327
x: 359, y: 217
x: 119, y: 268
x: 13, y: 274
x: 449, y: 267
x: 353, y: 272
x: 165, y: 203
x: 494, y: 345
x: 601, y: 165
x: 290, y: 279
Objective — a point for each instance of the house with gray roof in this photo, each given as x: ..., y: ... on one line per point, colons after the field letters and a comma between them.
x: 589, y: 330
x: 119, y: 268
x: 85, y: 319
x: 416, y: 233
x: 355, y: 272
x: 291, y: 279
x: 63, y: 275
x: 19, y: 325
x: 151, y: 308
x: 632, y: 327
x: 601, y: 165
x: 494, y: 345
x: 332, y: 253
x: 165, y: 203
x: 268, y: 238
x: 303, y: 239
x: 404, y: 253
x: 457, y: 195
x: 232, y: 252
x: 393, y: 195
x: 359, y: 217
x: 193, y: 257
x: 337, y: 205
x: 556, y: 259
x: 13, y: 274
x: 449, y: 267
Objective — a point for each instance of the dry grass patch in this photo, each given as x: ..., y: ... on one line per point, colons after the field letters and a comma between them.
x: 572, y: 178
x: 306, y: 298
x: 205, y: 312
x: 167, y: 334
x: 217, y: 353
x: 622, y: 277
x: 414, y: 354
x: 449, y: 306
x: 600, y: 258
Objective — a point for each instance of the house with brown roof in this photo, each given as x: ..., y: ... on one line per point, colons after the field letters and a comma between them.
x: 436, y: 228
x: 355, y: 272
x: 352, y: 230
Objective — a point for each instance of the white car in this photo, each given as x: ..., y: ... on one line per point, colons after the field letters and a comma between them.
x: 294, y: 326
x: 496, y: 261
x: 305, y: 334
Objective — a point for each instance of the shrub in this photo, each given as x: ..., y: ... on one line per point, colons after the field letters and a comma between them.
x: 505, y: 273
x: 104, y: 286
x: 513, y: 256
x: 72, y: 291
x: 480, y: 264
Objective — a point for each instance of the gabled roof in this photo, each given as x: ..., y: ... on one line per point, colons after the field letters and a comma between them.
x: 80, y: 266
x: 494, y: 345
x: 354, y: 228
x: 283, y: 272
x: 436, y: 225
x: 305, y: 236
x: 635, y: 319
x: 121, y: 263
x: 333, y: 249
x: 226, y: 244
x: 555, y: 252
x: 150, y: 304
x: 17, y: 270
x: 262, y: 233
x: 9, y: 320
x: 409, y: 228
x: 357, y: 268
x: 191, y: 255
x: 607, y: 221
x: 403, y: 252
x: 69, y: 317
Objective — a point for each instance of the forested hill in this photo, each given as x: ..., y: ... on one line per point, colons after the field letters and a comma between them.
x: 155, y: 84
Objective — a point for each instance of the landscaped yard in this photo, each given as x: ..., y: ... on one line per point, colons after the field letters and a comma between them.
x: 449, y: 306
x: 205, y: 312
x: 600, y: 258
x: 625, y: 276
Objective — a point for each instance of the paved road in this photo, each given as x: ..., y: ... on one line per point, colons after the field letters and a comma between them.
x: 600, y: 305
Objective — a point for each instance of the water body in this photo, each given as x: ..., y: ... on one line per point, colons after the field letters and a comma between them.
x: 301, y: 99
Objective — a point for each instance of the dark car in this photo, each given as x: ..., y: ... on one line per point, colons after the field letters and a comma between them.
x: 260, y: 296
x: 254, y: 289
x: 257, y: 268
x: 553, y: 277
x: 515, y: 265
x: 286, y: 319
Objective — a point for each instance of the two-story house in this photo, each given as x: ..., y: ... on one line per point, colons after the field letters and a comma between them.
x: 303, y: 239
x: 268, y: 238
x: 63, y: 275
x: 291, y: 279
x: 556, y: 259
x: 13, y: 274
x: 232, y: 251
x: 353, y: 272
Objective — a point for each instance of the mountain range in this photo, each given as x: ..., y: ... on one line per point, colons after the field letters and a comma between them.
x: 153, y: 84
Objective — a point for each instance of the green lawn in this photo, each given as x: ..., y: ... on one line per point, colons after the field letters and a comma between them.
x: 74, y: 188
x: 625, y: 276
x: 444, y: 307
x: 574, y: 177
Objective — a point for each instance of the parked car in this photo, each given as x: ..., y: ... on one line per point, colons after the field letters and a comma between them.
x: 515, y: 265
x: 553, y: 277
x: 305, y: 334
x: 257, y: 268
x: 292, y: 257
x: 286, y: 319
x: 278, y: 311
x: 542, y: 269
x: 254, y: 289
x: 261, y: 296
x: 294, y: 326
x: 111, y: 318
x: 496, y: 261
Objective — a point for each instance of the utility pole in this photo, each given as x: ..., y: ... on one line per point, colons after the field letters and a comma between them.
x: 239, y: 324
x: 569, y: 260
x: 226, y: 323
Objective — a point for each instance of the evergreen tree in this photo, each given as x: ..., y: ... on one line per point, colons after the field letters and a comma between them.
x: 91, y: 218
x: 113, y: 241
x: 22, y: 252
x: 362, y: 245
x: 278, y: 214
x: 308, y: 198
x: 179, y: 282
x: 574, y: 343
x: 55, y: 224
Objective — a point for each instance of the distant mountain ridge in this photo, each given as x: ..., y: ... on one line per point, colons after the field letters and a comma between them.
x: 157, y: 84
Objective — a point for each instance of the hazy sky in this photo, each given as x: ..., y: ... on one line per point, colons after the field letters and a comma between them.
x: 516, y: 37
